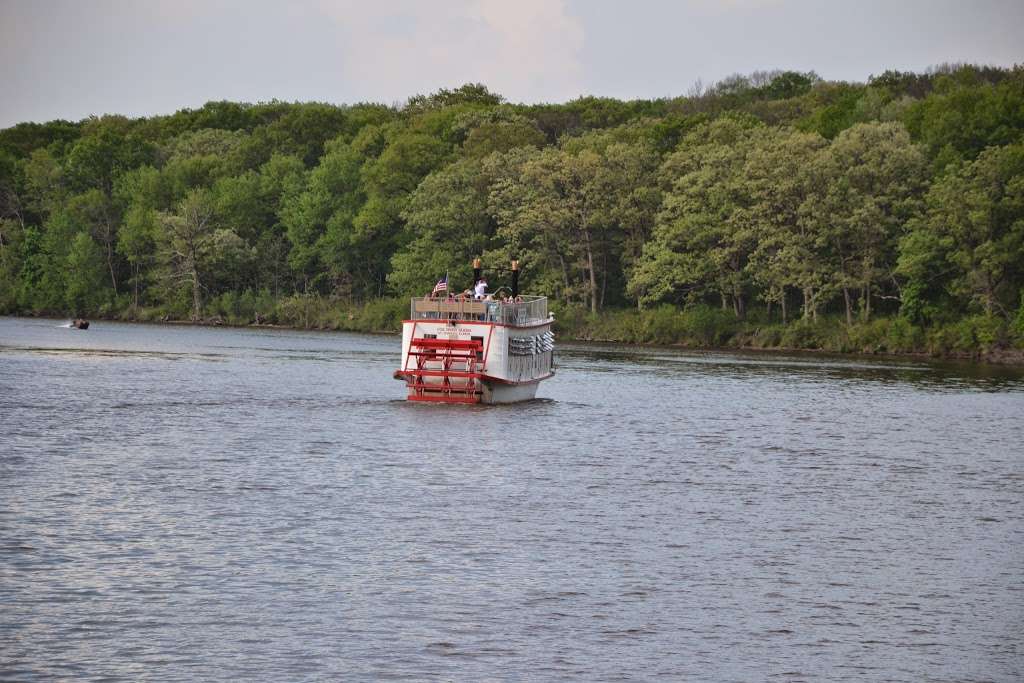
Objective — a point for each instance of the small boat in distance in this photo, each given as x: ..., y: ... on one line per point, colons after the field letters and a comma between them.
x: 477, y: 348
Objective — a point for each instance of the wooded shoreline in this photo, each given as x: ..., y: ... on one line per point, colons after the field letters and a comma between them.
x: 600, y: 332
x: 767, y: 211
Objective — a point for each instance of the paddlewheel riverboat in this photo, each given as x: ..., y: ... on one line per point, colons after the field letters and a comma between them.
x: 477, y: 350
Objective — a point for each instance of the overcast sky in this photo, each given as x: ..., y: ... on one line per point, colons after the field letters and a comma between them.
x: 70, y: 59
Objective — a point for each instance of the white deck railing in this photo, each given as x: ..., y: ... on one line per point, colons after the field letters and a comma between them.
x: 527, y: 310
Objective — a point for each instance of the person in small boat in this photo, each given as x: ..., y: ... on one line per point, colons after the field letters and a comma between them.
x: 481, y: 289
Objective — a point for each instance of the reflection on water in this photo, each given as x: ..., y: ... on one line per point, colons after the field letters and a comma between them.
x: 192, y: 503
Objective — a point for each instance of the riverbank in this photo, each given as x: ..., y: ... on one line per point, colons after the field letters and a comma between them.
x: 977, y: 338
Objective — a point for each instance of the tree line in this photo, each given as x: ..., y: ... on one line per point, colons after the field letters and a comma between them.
x: 776, y: 193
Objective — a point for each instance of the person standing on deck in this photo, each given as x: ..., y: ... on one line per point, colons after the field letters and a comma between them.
x: 480, y: 290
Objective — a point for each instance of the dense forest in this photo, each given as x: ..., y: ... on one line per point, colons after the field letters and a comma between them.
x: 775, y: 209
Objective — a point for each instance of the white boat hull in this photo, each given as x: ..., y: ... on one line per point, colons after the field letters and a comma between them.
x: 508, y: 393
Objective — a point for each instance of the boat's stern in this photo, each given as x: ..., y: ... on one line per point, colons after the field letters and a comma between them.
x: 464, y: 351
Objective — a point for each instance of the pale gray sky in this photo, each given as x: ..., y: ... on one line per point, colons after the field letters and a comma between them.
x: 70, y: 59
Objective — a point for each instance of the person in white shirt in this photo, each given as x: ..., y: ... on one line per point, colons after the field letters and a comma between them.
x: 480, y: 290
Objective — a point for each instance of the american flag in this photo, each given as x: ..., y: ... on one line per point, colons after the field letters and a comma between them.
x: 441, y: 286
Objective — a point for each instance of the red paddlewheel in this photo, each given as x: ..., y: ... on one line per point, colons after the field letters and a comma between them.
x: 446, y: 370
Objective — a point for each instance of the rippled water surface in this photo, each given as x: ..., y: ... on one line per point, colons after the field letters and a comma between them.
x: 184, y: 503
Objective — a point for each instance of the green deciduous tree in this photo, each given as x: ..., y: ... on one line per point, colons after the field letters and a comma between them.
x: 106, y: 150
x: 184, y: 241
x: 45, y: 185
x: 449, y: 221
x: 971, y: 237
x: 46, y: 262
x: 84, y: 268
x: 703, y: 237
x: 12, y: 237
x: 965, y: 114
x: 870, y: 180
x: 140, y: 194
x: 319, y: 219
x: 780, y: 177
x: 95, y: 211
x: 136, y: 241
x: 469, y: 93
x: 378, y: 230
x: 555, y: 206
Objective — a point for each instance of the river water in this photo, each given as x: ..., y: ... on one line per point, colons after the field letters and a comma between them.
x: 181, y: 503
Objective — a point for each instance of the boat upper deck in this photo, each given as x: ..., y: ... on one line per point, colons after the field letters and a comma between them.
x: 525, y: 310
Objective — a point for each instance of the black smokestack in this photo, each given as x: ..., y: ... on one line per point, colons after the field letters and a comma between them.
x: 476, y: 271
x: 515, y: 277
